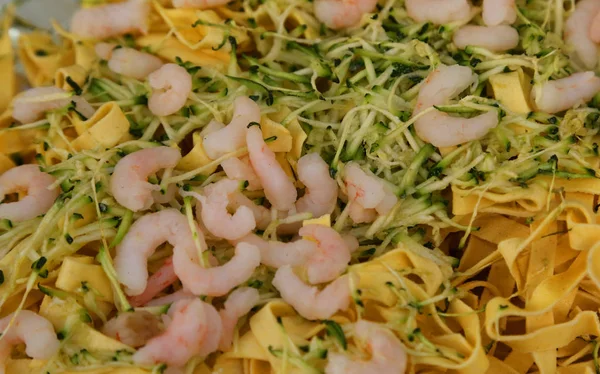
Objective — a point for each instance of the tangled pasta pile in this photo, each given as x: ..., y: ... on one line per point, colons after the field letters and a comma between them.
x: 285, y: 186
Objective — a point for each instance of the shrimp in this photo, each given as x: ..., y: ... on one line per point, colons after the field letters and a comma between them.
x: 497, y: 12
x: 161, y: 279
x: 238, y: 304
x: 438, y: 11
x: 351, y: 242
x: 332, y: 255
x: 262, y: 215
x: 219, y: 280
x: 595, y: 29
x: 195, y: 329
x: 132, y: 63
x: 27, y: 327
x: 367, y: 191
x: 277, y: 254
x: 105, y: 50
x: 279, y: 189
x: 240, y: 169
x: 562, y: 94
x: 358, y: 214
x: 171, y: 298
x: 321, y: 190
x: 199, y: 4
x: 129, y: 184
x: 310, y: 302
x: 147, y: 233
x: 40, y: 196
x: 386, y: 350
x: 110, y: 20
x: 171, y: 85
x: 215, y: 217
x: 579, y: 32
x: 32, y: 104
x: 494, y: 38
x: 339, y: 14
x: 133, y: 328
x: 438, y: 128
x: 233, y: 136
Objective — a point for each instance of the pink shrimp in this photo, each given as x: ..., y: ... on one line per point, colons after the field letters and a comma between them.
x: 387, y: 353
x: 279, y: 189
x: 215, y: 216
x: 147, y: 233
x: 110, y: 20
x: 34, y: 330
x: 219, y: 280
x: 277, y: 254
x: 339, y: 14
x: 129, y: 184
x: 161, y: 279
x: 240, y: 169
x: 40, y: 197
x: 321, y: 193
x: 310, y: 302
x: 238, y: 304
x: 195, y: 329
x: 332, y: 255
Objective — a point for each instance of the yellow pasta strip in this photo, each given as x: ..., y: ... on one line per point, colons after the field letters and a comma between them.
x: 7, y: 60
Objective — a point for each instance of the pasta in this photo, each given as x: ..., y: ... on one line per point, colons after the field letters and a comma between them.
x: 302, y: 187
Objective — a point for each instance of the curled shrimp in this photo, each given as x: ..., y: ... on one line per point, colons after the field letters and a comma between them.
x: 386, y: 350
x: 133, y: 328
x: 279, y: 189
x: 440, y: 129
x: 215, y: 217
x: 218, y: 280
x: 110, y: 20
x: 40, y: 195
x: 332, y: 255
x: 368, y: 194
x: 277, y: 254
x: 233, y: 136
x: 240, y: 169
x: 321, y: 190
x: 310, y: 302
x: 497, y: 12
x: 129, y: 184
x: 199, y: 4
x: 494, y: 38
x: 438, y: 11
x: 579, y: 33
x: 238, y: 304
x: 32, y: 104
x: 339, y: 14
x: 194, y: 329
x: 144, y: 235
x: 128, y: 61
x: 27, y: 327
x: 171, y: 85
x: 562, y: 94
x: 262, y: 215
